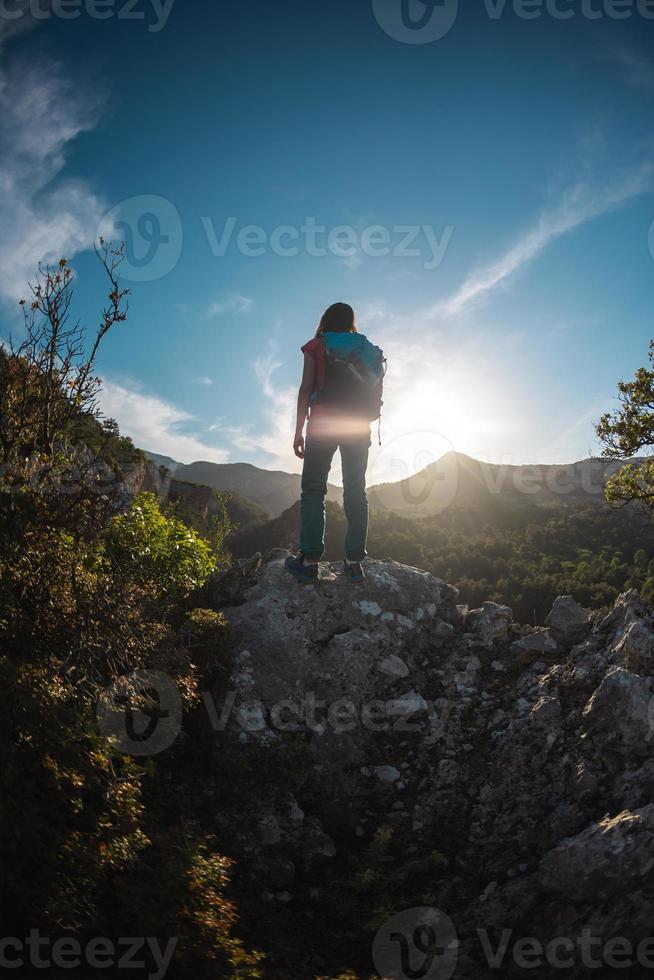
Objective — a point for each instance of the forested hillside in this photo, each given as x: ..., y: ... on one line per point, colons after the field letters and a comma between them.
x: 523, y: 556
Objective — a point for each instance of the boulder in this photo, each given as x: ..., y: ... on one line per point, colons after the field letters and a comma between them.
x: 539, y: 643
x: 615, y: 854
x: 637, y: 648
x: 567, y: 621
x: 628, y: 609
x: 489, y: 624
x: 331, y: 634
x: 386, y: 774
x: 394, y: 667
x: 620, y: 711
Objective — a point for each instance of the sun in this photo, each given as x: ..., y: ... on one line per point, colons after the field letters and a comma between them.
x: 433, y: 418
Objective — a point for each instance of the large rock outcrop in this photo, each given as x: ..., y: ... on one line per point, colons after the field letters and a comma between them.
x: 518, y: 761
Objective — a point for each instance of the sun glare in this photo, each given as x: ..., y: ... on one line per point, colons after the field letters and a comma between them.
x: 420, y: 426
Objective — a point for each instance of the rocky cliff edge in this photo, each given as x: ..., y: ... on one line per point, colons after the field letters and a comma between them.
x: 521, y: 757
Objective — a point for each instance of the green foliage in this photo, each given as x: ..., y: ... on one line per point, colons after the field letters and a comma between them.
x: 178, y: 889
x: 205, y: 635
x: 633, y: 483
x: 89, y: 842
x: 85, y: 832
x: 626, y: 433
x: 158, y: 552
x: 220, y: 527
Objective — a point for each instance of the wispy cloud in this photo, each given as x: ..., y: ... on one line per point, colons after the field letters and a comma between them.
x: 205, y: 381
x: 234, y: 303
x: 264, y: 369
x: 636, y: 69
x: 578, y: 205
x: 274, y: 437
x: 42, y: 215
x: 157, y: 425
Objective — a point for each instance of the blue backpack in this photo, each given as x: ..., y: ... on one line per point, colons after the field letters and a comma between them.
x: 354, y: 376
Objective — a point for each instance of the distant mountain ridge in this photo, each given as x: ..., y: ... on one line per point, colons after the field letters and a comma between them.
x: 274, y: 490
x: 453, y: 479
x: 457, y: 478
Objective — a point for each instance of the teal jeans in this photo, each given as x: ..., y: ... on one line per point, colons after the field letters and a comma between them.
x: 318, y: 456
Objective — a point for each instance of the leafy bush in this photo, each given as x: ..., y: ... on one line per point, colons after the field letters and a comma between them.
x: 158, y: 552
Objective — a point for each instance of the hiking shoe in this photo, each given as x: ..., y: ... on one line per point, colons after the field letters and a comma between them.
x: 306, y: 572
x: 353, y: 571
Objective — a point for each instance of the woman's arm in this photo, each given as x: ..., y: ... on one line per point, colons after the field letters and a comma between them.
x: 306, y: 388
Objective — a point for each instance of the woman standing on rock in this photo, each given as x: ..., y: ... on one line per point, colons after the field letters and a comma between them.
x: 340, y: 394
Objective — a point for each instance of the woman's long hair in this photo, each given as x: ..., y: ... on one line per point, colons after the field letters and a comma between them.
x: 339, y: 318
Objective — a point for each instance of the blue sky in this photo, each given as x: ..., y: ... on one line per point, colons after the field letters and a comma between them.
x: 514, y: 156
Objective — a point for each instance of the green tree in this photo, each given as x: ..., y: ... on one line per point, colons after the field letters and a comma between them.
x: 640, y: 560
x: 628, y: 432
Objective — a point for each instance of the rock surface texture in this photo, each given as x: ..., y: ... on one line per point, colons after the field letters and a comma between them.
x: 513, y: 766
